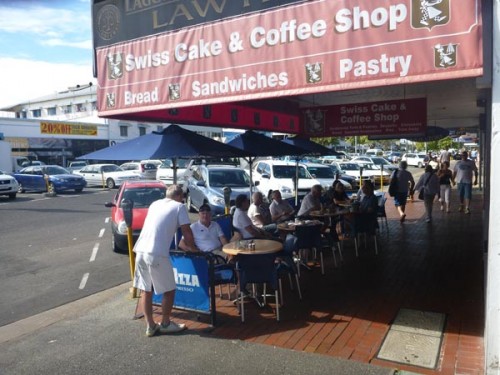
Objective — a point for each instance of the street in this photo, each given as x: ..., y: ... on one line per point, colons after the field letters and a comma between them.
x: 57, y: 250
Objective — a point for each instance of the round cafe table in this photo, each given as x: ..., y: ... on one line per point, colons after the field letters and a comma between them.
x: 261, y: 247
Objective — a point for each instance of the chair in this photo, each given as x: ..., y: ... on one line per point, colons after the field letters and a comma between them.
x: 285, y: 269
x: 308, y: 238
x: 381, y: 214
x: 226, y: 224
x: 258, y: 269
x: 224, y: 273
x: 366, y: 224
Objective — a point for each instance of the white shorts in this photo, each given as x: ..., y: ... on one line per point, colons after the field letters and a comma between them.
x: 153, y: 271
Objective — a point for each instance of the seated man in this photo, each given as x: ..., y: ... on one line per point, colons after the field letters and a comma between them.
x: 260, y: 215
x: 242, y: 222
x: 208, y: 235
x: 280, y: 209
x: 366, y: 220
x: 311, y: 202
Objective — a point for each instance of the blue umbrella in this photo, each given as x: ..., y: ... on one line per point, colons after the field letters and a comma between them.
x: 173, y: 142
x: 311, y: 147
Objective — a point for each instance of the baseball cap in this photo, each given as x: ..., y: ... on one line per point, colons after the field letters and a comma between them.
x: 204, y: 208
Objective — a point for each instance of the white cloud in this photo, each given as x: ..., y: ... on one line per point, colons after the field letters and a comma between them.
x: 56, y: 42
x: 28, y: 79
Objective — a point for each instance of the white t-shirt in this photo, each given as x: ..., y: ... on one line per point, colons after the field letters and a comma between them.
x: 207, y: 239
x: 465, y: 170
x: 241, y: 221
x: 280, y: 208
x: 163, y: 219
x: 264, y: 214
x: 308, y: 203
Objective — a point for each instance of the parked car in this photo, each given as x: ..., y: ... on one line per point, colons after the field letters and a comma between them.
x: 142, y: 194
x: 414, y: 159
x: 109, y: 175
x: 394, y: 156
x: 76, y: 165
x: 58, y: 179
x: 279, y: 175
x: 376, y: 160
x: 353, y: 170
x: 325, y: 175
x: 8, y: 185
x: 145, y: 169
x: 343, y: 176
x: 207, y: 183
x: 165, y: 173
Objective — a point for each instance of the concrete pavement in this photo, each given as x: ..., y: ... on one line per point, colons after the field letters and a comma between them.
x: 97, y: 335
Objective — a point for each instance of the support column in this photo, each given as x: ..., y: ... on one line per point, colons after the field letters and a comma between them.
x: 492, y: 329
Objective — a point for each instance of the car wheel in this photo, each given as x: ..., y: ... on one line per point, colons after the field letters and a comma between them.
x: 78, y: 190
x: 189, y: 204
x: 114, y: 246
x: 110, y: 183
x: 20, y: 189
x: 12, y: 195
x: 420, y: 165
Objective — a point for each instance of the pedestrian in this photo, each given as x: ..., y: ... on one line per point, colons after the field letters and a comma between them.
x: 153, y: 269
x: 406, y: 183
x: 445, y: 155
x: 445, y: 176
x: 462, y: 175
x: 429, y: 181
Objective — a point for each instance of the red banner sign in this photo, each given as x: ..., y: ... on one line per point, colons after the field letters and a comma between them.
x: 390, y: 119
x: 311, y: 47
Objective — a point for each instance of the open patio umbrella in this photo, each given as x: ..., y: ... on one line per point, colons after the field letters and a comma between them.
x: 254, y: 144
x: 311, y: 147
x: 173, y: 142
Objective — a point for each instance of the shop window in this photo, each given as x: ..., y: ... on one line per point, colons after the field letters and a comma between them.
x: 36, y: 113
x: 51, y: 111
x: 123, y: 131
x: 142, y: 130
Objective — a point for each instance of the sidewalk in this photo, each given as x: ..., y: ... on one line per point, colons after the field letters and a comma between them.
x: 338, y: 328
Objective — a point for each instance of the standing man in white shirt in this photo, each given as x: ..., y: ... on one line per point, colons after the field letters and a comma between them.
x: 153, y: 268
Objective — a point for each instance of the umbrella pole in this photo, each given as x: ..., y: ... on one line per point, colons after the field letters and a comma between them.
x: 296, y: 182
x: 174, y: 167
x: 250, y: 165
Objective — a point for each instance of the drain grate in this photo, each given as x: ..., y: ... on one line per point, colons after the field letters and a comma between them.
x: 414, y: 338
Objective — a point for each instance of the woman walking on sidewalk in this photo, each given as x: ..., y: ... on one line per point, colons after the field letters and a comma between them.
x: 429, y: 181
x: 445, y: 182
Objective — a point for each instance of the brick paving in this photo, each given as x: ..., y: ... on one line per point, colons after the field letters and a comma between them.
x: 347, y: 312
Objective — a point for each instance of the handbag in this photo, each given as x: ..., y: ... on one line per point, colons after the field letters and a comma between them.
x: 393, y: 186
x: 421, y: 193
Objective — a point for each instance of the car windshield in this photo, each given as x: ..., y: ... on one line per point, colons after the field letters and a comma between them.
x: 320, y: 172
x: 143, y: 197
x: 181, y: 163
x: 380, y: 161
x: 350, y: 167
x: 230, y: 178
x: 288, y: 171
x: 111, y: 168
x: 53, y: 170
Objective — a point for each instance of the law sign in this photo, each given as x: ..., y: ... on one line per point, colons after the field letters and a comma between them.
x: 385, y: 118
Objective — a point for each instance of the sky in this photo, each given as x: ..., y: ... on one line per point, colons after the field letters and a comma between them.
x: 45, y: 47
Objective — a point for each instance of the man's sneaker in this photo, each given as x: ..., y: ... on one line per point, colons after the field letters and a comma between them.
x: 172, y: 327
x: 461, y: 208
x: 151, y: 331
x: 467, y: 211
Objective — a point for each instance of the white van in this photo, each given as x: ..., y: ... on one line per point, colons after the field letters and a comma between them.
x: 374, y: 152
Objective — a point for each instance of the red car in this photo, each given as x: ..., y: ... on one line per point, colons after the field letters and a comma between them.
x: 142, y: 194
